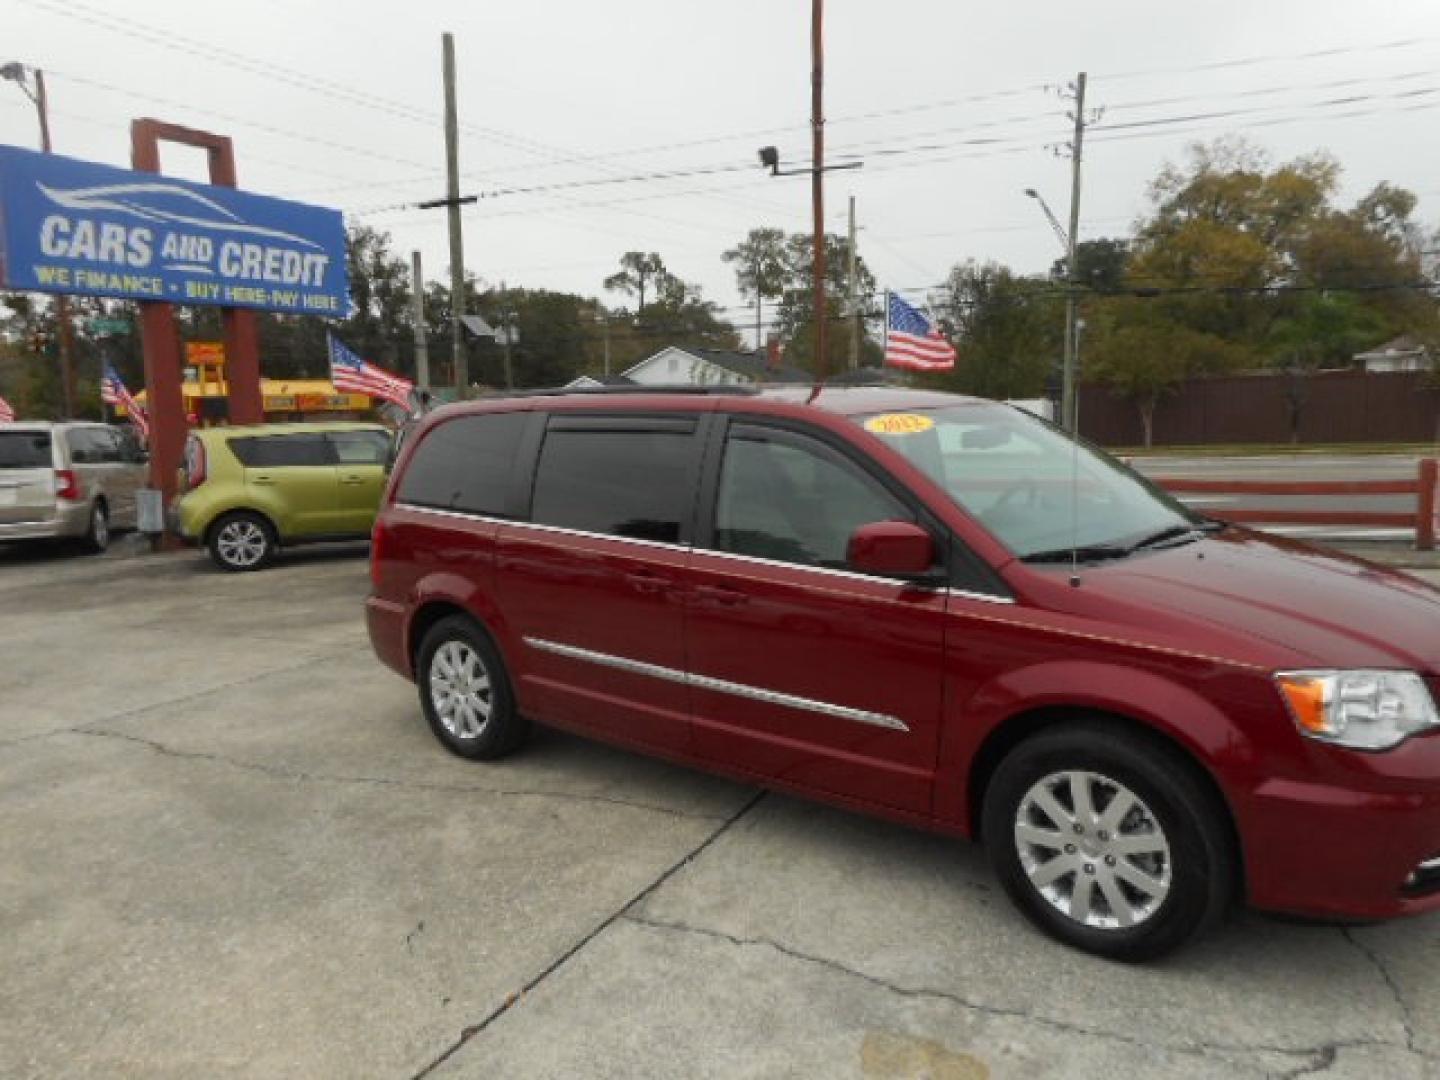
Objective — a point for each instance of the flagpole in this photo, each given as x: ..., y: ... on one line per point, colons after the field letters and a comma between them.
x: 885, y: 355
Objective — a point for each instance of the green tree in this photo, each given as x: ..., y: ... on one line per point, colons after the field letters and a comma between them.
x: 1006, y: 329
x: 1142, y: 351
x: 379, y: 325
x: 761, y: 270
x: 795, y: 320
x: 1101, y: 263
x: 639, y: 273
x: 680, y: 315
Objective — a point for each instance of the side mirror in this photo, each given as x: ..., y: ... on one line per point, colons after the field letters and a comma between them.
x: 898, y: 549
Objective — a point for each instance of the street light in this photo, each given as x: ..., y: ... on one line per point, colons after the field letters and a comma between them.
x: 1060, y: 232
x: 1067, y: 370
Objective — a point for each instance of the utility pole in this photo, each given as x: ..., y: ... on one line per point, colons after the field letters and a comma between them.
x: 16, y: 72
x: 422, y: 350
x: 605, y: 322
x: 505, y: 335
x: 452, y: 204
x: 851, y: 306
x: 1068, y: 413
x: 817, y: 179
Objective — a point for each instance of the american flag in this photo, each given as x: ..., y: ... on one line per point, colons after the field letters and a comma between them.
x: 353, y: 375
x: 114, y: 393
x: 7, y: 414
x: 912, y: 342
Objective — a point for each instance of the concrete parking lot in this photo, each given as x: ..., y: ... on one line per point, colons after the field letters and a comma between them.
x: 228, y: 846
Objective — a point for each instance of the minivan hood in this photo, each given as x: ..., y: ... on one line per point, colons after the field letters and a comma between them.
x: 1324, y: 608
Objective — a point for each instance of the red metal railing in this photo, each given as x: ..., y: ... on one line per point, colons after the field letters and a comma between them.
x: 1421, y: 519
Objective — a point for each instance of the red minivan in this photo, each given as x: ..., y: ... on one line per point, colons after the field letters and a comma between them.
x: 939, y: 610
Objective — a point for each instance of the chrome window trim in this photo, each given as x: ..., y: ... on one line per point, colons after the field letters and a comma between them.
x: 464, y: 515
x: 851, y: 575
x: 587, y: 534
x: 848, y: 574
x: 724, y: 686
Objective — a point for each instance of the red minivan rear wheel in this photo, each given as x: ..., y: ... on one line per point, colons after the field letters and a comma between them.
x: 1105, y: 839
x: 465, y: 691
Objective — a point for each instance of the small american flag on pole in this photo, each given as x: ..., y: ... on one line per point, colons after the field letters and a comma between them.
x: 113, y: 392
x: 7, y: 414
x: 353, y: 375
x: 911, y: 341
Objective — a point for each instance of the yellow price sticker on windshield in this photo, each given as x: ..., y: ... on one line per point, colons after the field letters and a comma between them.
x: 899, y: 423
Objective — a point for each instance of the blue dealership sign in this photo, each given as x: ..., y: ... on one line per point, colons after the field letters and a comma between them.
x: 70, y: 226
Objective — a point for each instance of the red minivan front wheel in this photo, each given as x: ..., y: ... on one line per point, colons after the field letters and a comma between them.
x: 1105, y: 839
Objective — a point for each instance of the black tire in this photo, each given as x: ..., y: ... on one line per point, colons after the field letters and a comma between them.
x: 1111, y: 758
x: 241, y: 541
x: 97, y: 532
x: 451, y: 645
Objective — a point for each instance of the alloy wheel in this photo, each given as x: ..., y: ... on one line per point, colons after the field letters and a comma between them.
x: 1093, y: 849
x: 241, y: 543
x: 460, y: 689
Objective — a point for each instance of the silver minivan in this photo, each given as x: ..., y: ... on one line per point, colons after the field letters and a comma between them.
x: 68, y: 480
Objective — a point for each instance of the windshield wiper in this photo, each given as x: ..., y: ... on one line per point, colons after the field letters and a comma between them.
x: 1083, y: 553
x: 1182, y: 533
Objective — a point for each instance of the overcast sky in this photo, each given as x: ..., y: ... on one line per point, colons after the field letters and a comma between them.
x: 339, y: 104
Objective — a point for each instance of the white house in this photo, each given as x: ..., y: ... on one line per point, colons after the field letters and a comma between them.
x: 673, y: 366
x: 1403, y: 353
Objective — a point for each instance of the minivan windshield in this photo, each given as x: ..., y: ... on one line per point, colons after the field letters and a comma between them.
x: 25, y: 450
x: 1039, y: 492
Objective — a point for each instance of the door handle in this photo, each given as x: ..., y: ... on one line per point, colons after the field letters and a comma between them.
x: 647, y: 581
x: 717, y: 595
x: 262, y: 480
x: 352, y: 479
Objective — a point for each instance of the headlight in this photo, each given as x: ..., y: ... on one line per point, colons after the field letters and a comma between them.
x: 1364, y: 710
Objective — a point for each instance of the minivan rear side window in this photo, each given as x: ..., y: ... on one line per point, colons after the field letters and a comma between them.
x: 25, y: 450
x: 607, y: 479
x: 275, y: 451
x: 464, y: 464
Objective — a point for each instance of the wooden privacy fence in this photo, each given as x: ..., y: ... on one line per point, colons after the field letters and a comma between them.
x: 1421, y: 519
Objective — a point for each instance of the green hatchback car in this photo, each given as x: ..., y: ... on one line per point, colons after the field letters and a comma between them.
x: 247, y: 491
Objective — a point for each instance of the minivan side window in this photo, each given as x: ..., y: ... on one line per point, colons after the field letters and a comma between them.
x: 634, y: 483
x: 108, y: 445
x: 276, y: 451
x: 86, y: 446
x: 789, y: 498
x: 464, y: 464
x: 25, y: 450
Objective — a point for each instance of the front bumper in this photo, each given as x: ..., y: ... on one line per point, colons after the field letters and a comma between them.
x: 1347, y: 847
x: 69, y: 521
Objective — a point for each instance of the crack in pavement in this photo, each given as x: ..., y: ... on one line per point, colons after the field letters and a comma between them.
x: 1319, y: 1056
x: 1324, y: 1058
x: 301, y: 776
x: 468, y: 1033
x: 1406, y: 1019
x: 280, y: 772
x: 141, y: 710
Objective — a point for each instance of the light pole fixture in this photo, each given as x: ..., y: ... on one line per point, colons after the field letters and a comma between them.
x: 1068, y: 415
x: 770, y: 159
x: 1060, y: 232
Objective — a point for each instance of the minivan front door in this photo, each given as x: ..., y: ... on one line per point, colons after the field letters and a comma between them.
x: 800, y: 669
x: 591, y: 583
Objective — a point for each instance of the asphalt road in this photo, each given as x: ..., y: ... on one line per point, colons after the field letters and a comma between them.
x: 230, y: 847
x: 1297, y: 467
